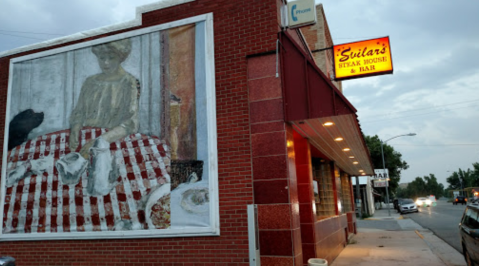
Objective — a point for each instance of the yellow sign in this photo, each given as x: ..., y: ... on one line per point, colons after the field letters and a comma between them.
x: 364, y: 58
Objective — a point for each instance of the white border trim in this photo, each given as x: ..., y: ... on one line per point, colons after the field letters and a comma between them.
x: 210, y: 87
x: 115, y: 37
x: 99, y: 31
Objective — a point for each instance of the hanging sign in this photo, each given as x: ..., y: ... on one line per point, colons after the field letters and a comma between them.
x: 381, y: 174
x: 364, y: 58
x: 301, y: 13
x: 380, y: 183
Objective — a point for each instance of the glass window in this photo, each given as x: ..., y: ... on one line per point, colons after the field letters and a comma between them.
x: 474, y: 223
x: 339, y: 189
x: 346, y: 192
x: 470, y: 219
x: 322, y: 177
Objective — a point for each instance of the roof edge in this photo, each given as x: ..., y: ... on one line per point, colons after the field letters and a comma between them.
x: 137, y: 21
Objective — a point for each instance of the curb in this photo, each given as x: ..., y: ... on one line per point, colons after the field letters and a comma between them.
x: 385, y: 218
x: 441, y: 249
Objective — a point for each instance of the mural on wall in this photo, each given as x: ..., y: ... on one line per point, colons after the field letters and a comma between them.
x: 110, y: 137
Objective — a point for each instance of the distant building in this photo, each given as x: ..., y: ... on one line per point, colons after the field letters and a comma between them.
x: 367, y: 194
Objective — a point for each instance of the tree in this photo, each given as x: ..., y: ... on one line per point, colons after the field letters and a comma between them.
x: 462, y: 179
x: 475, y: 175
x: 417, y: 188
x: 392, y: 158
x: 433, y: 187
x: 422, y: 187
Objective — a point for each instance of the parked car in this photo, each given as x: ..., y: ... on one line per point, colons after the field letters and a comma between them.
x: 396, y: 203
x: 460, y: 199
x: 407, y: 205
x: 7, y: 261
x: 469, y: 232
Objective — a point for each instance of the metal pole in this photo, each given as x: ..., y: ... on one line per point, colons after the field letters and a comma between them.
x: 384, y: 166
x: 387, y: 181
x: 358, y: 197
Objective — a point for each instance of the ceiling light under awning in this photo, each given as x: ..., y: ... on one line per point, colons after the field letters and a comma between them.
x: 322, y: 138
x: 320, y: 112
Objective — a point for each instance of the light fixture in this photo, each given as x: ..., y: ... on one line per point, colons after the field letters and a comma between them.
x: 346, y: 149
x: 338, y: 139
x: 361, y: 170
x: 328, y: 124
x: 363, y: 174
x: 355, y: 162
x: 351, y: 157
x: 289, y: 143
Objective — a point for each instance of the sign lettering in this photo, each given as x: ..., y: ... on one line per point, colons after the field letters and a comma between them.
x: 380, y: 183
x: 364, y: 58
x: 381, y: 174
x: 301, y: 13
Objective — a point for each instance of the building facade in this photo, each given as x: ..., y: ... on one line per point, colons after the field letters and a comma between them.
x: 143, y: 143
x: 369, y: 197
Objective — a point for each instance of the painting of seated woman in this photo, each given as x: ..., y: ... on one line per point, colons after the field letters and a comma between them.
x: 111, y: 139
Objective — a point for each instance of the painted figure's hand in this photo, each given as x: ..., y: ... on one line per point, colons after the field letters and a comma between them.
x: 73, y: 142
x: 85, y: 150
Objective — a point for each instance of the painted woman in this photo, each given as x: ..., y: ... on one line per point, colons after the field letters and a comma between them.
x: 107, y: 100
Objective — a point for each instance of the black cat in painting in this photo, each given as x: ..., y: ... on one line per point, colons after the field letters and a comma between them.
x: 21, y: 125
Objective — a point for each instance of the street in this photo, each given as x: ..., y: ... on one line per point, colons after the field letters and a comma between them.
x: 442, y: 219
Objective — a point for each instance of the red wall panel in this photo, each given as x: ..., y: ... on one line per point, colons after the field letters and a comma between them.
x: 237, y: 34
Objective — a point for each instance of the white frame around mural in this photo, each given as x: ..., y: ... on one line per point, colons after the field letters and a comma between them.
x: 211, y: 167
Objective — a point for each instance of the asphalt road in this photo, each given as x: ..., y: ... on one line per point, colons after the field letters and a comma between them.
x: 443, y: 219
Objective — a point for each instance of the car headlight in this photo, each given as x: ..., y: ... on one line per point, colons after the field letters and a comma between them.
x: 428, y: 202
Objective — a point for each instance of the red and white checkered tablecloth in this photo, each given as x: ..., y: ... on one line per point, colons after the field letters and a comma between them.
x: 42, y: 204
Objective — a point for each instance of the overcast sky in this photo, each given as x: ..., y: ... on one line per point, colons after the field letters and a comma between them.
x: 433, y: 91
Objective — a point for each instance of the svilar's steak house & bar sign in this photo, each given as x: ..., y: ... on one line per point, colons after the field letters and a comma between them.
x: 364, y: 58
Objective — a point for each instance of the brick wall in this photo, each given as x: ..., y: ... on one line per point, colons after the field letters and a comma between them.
x: 240, y: 29
x: 331, y: 237
x: 274, y: 174
x: 318, y: 36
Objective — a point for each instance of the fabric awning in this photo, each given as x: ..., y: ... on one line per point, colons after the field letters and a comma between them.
x: 311, y: 100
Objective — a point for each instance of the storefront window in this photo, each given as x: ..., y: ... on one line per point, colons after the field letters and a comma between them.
x: 339, y: 190
x: 323, y: 189
x: 346, y: 193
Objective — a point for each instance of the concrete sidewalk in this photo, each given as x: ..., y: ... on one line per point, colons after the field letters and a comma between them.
x: 396, y: 240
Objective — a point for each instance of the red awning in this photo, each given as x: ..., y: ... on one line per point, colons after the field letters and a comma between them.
x: 310, y: 100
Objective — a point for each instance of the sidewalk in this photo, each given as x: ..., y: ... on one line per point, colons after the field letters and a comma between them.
x: 396, y: 240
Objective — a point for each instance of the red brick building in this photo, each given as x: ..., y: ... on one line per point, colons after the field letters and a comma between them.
x: 286, y: 139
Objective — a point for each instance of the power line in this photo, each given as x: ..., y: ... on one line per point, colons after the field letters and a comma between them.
x: 374, y: 121
x: 23, y: 36
x: 437, y: 106
x: 33, y: 32
x: 440, y: 145
x: 426, y: 108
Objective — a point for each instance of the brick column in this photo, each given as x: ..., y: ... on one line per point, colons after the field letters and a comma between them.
x: 307, y: 207
x: 274, y: 172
